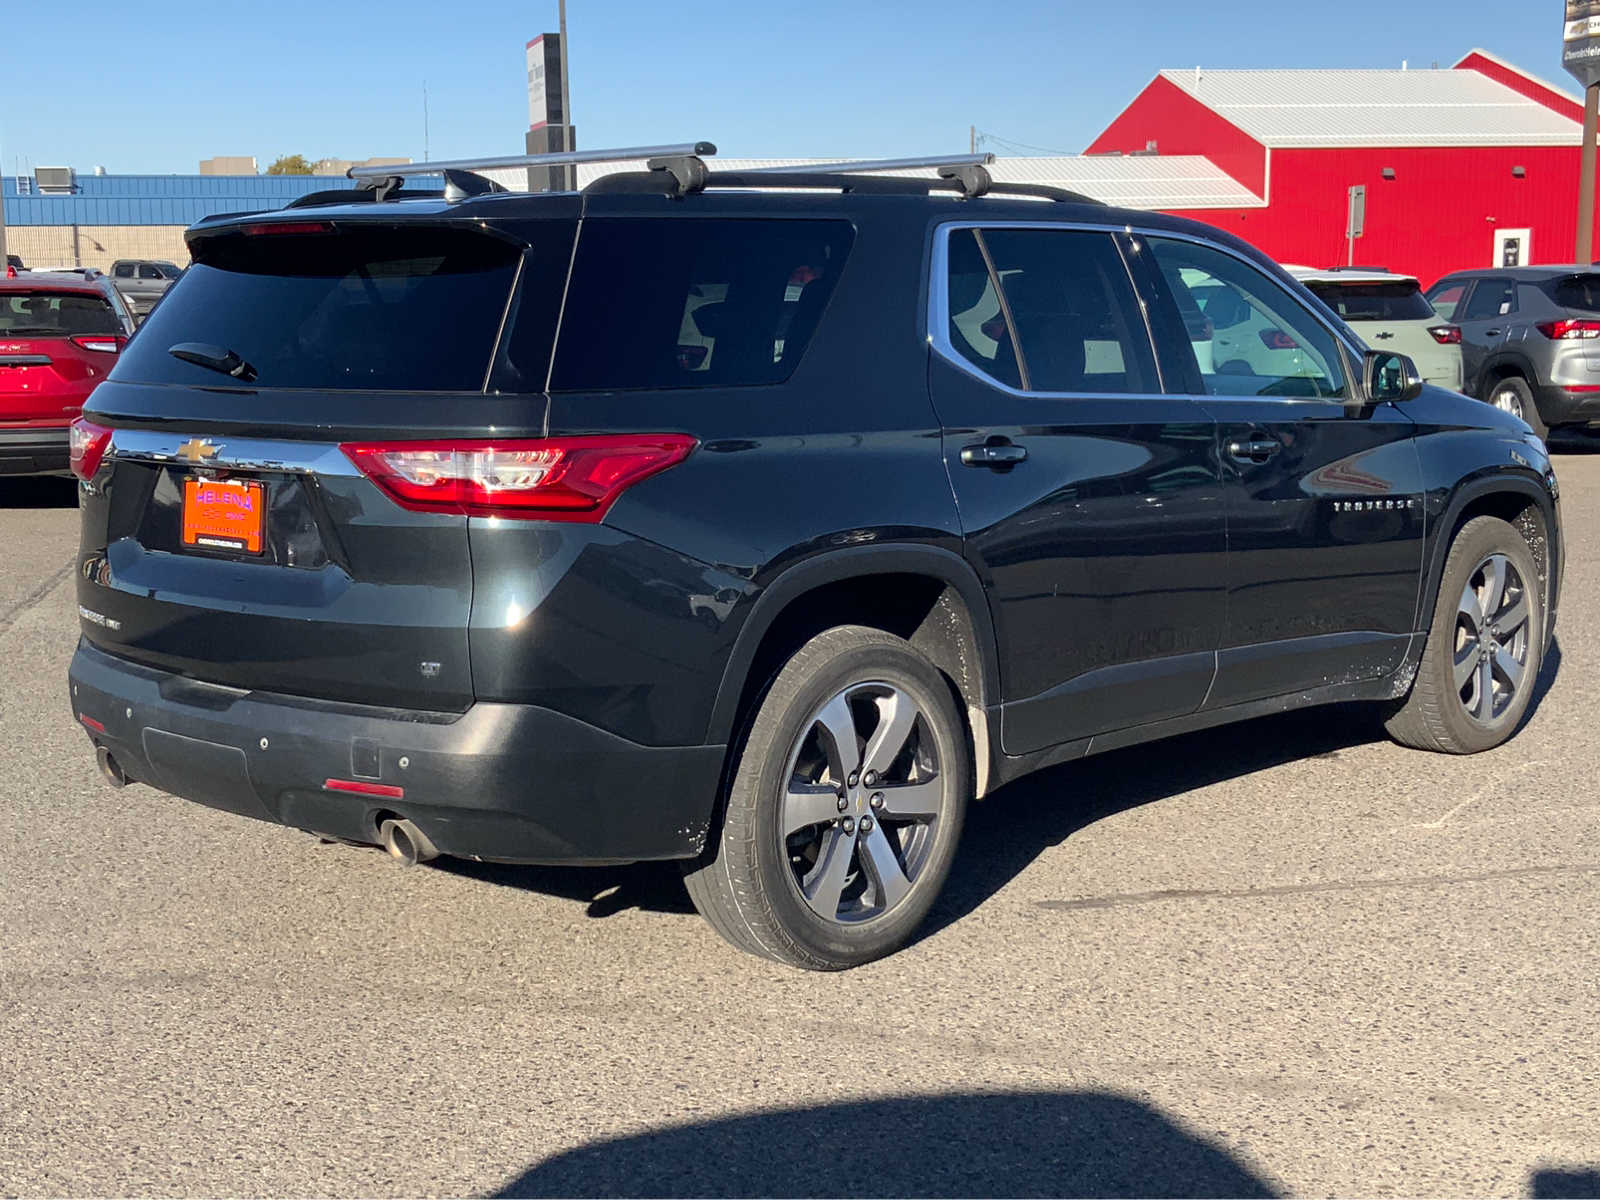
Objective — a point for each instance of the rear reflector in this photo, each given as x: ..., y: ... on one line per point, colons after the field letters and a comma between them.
x: 549, y: 479
x: 92, y: 723
x: 87, y: 444
x: 364, y: 789
x: 1569, y: 330
x: 1446, y: 335
x: 104, y: 344
x: 1277, y: 339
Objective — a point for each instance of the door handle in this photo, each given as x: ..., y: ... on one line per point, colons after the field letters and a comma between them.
x: 996, y: 452
x: 1493, y: 332
x: 1257, y: 450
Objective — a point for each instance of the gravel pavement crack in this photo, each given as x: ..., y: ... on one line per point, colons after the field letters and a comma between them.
x: 33, y: 598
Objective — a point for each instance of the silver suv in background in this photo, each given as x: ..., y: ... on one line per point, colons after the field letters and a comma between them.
x: 143, y: 281
x: 1390, y: 313
x: 1530, y: 340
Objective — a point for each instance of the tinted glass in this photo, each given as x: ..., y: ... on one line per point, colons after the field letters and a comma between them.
x: 1579, y: 291
x: 52, y: 314
x: 1374, y: 301
x: 388, y: 309
x: 1446, y: 298
x: 148, y: 271
x: 694, y: 303
x: 977, y: 326
x: 1261, y: 340
x: 123, y: 270
x: 1073, y: 308
x: 1491, y: 298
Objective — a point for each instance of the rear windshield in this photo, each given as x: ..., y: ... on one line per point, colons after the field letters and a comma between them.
x: 381, y: 309
x: 1375, y: 301
x: 694, y: 303
x: 55, y: 314
x: 1579, y: 291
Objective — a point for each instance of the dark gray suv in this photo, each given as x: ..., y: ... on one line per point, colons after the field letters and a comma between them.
x: 1530, y: 340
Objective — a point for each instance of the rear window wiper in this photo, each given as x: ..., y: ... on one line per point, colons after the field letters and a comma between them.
x: 215, y: 358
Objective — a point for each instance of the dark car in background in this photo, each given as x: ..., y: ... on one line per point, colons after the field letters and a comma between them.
x: 60, y: 335
x: 761, y: 522
x: 1530, y: 340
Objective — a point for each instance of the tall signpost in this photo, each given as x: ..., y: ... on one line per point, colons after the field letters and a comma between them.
x: 549, y: 130
x: 1581, y: 56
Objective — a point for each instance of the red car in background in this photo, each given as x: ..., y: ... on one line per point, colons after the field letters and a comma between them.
x: 59, y: 336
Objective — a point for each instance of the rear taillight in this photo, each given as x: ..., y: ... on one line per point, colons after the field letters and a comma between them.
x: 1446, y: 335
x: 87, y: 444
x: 105, y: 343
x: 1569, y: 329
x: 550, y: 479
x: 1277, y: 339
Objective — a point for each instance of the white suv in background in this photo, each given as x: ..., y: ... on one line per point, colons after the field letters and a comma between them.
x: 1390, y: 313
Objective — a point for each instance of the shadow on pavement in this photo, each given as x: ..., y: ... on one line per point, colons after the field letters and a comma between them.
x: 1007, y: 830
x: 38, y: 491
x: 1551, y: 1184
x: 1008, y: 1144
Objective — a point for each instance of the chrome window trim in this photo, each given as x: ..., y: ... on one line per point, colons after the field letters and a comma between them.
x: 938, y: 330
x: 233, y: 453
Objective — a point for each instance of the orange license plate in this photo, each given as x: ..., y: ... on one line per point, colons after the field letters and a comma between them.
x: 223, y: 515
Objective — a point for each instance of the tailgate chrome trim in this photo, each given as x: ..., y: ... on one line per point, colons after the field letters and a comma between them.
x: 231, y: 453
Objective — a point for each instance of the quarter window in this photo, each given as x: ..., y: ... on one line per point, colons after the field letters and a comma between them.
x: 1255, y: 338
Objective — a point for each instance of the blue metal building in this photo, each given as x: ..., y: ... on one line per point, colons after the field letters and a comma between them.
x: 155, y: 199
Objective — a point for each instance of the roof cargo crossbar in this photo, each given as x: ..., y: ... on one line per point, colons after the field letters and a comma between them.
x: 627, y: 154
x: 868, y: 165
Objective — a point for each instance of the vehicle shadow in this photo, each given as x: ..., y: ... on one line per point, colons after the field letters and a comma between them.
x: 965, y: 1144
x: 38, y: 491
x: 1559, y: 1184
x: 1011, y: 827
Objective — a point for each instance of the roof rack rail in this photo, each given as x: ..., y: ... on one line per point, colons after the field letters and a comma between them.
x: 854, y: 165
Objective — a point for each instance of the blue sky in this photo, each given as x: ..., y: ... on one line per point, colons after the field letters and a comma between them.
x: 172, y: 83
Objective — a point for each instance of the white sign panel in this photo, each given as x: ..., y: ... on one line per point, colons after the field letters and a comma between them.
x: 538, y: 107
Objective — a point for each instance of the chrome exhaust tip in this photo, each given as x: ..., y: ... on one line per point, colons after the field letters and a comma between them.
x: 114, y: 774
x: 405, y: 843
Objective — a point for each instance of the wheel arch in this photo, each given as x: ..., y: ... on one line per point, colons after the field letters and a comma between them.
x: 938, y: 605
x: 1521, y: 502
x: 1503, y: 366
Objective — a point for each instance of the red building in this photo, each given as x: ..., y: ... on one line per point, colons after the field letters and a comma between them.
x: 1466, y: 167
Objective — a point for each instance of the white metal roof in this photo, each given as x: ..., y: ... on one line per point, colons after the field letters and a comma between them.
x: 1136, y: 181
x: 1376, y: 108
x: 1348, y: 276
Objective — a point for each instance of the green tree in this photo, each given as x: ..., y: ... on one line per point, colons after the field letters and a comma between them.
x: 290, y: 164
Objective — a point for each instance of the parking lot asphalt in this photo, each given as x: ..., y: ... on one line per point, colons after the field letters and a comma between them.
x: 1287, y: 956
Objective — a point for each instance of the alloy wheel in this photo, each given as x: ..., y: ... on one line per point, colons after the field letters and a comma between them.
x: 862, y: 803
x: 1507, y: 400
x: 1492, y: 639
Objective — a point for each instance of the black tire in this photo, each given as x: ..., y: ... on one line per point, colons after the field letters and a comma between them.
x: 1515, y: 396
x: 749, y: 886
x: 1437, y: 715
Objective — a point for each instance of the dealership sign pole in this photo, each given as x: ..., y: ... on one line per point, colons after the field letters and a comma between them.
x: 1581, y: 56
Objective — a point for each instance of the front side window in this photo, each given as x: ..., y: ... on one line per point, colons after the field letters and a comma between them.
x: 694, y: 303
x: 1070, y: 322
x: 1256, y: 339
x: 1446, y: 298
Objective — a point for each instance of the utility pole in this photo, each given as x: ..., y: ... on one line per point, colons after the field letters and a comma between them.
x: 972, y: 139
x: 566, y: 100
x: 424, y: 120
x: 3, y: 259
x: 1591, y: 133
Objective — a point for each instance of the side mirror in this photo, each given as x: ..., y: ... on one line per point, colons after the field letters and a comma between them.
x: 1391, y: 378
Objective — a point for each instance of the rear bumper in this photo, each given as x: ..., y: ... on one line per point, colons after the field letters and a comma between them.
x: 498, y: 783
x: 34, y: 450
x: 1562, y: 406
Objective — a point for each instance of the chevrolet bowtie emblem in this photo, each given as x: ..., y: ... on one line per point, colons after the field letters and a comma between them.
x: 198, y: 450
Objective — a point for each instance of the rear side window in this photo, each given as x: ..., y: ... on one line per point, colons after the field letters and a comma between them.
x: 694, y: 303
x: 1374, y: 301
x: 399, y: 309
x: 54, y: 314
x: 1491, y: 298
x: 1581, y: 292
x: 1072, y: 306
